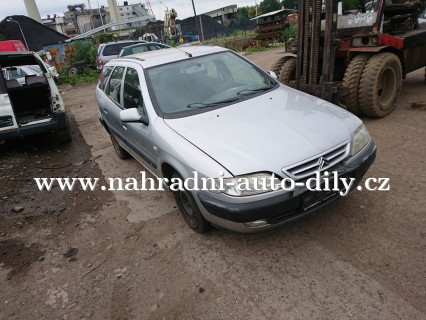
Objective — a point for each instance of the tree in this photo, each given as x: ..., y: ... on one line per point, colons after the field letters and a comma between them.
x: 243, y: 13
x: 289, y: 4
x: 269, y: 5
x: 252, y: 12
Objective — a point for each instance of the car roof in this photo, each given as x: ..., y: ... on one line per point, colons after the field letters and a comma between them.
x: 122, y: 41
x: 144, y: 44
x: 154, y: 58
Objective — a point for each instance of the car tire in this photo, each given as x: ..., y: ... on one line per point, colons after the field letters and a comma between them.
x: 122, y: 154
x: 63, y: 135
x: 189, y: 209
x: 351, y: 81
x: 380, y: 85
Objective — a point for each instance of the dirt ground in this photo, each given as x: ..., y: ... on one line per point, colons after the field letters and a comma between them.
x: 129, y: 255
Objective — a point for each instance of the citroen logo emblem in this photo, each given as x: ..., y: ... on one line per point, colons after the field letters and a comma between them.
x: 322, y: 162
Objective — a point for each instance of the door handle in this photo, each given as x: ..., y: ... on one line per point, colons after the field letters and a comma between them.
x: 124, y: 127
x: 106, y: 112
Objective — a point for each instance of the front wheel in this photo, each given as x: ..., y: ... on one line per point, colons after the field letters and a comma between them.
x: 189, y: 209
x: 380, y: 85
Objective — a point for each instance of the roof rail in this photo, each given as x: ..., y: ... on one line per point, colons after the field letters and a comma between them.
x: 136, y: 58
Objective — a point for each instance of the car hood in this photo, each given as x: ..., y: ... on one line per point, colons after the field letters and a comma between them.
x: 269, y: 131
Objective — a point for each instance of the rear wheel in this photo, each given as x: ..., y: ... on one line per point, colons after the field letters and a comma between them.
x: 288, y: 71
x: 352, y: 80
x: 122, y: 154
x: 189, y: 209
x: 380, y: 85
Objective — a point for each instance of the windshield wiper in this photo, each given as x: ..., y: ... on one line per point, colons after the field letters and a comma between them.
x: 211, y: 104
x: 251, y: 91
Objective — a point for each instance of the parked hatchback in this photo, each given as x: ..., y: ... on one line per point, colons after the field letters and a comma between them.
x: 208, y: 113
x: 110, y: 50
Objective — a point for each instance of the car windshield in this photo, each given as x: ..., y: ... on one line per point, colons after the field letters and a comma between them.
x: 210, y: 81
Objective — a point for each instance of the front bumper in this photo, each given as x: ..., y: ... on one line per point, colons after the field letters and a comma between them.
x: 285, y: 207
x: 58, y: 121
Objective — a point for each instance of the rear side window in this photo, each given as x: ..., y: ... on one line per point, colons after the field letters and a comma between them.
x: 114, y: 49
x: 15, y: 73
x: 139, y: 49
x: 114, y: 88
x: 103, y: 77
x: 156, y: 47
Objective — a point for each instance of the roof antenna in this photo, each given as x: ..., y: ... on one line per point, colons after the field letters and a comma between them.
x: 187, y: 53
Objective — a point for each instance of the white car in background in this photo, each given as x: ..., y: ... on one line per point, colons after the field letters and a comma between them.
x: 20, y: 72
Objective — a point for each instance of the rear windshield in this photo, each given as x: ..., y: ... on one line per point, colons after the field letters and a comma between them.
x: 114, y: 49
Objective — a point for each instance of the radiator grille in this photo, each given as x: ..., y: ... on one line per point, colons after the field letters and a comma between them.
x: 320, y: 162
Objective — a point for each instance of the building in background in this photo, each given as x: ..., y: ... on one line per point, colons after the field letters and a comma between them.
x: 55, y: 22
x: 224, y: 15
x: 127, y: 11
x: 78, y: 19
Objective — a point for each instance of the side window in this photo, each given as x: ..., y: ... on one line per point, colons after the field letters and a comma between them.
x: 114, y: 86
x: 15, y: 73
x: 139, y: 49
x: 132, y: 94
x: 106, y: 71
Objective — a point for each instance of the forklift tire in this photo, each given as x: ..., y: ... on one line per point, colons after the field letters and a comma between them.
x: 278, y: 65
x: 351, y: 81
x: 380, y: 85
x: 288, y: 72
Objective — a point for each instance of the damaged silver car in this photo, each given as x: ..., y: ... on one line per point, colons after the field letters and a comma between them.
x: 32, y: 105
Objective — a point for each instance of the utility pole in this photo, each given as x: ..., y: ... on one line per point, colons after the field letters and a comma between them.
x: 196, y: 22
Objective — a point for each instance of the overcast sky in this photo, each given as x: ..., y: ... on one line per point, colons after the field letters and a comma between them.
x: 183, y: 7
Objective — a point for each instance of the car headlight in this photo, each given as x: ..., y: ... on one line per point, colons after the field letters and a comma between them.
x: 360, y: 139
x: 248, y: 185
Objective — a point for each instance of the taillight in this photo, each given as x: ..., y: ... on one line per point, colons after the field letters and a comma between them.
x: 100, y: 61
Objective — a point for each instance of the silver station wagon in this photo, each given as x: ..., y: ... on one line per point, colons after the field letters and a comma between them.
x: 210, y: 111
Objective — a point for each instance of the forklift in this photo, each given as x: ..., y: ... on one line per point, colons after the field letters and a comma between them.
x: 355, y: 60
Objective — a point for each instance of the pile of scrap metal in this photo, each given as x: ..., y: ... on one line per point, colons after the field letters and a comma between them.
x: 402, y: 15
x: 270, y: 25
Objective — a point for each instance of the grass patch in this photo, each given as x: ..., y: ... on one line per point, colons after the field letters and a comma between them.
x: 88, y: 75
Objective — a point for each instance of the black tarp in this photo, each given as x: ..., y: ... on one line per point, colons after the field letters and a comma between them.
x: 35, y: 33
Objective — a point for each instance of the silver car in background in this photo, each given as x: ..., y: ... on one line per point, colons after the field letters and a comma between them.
x: 110, y: 50
x: 210, y: 111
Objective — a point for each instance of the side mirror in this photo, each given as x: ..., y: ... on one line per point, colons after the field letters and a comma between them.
x: 273, y: 75
x: 133, y: 115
